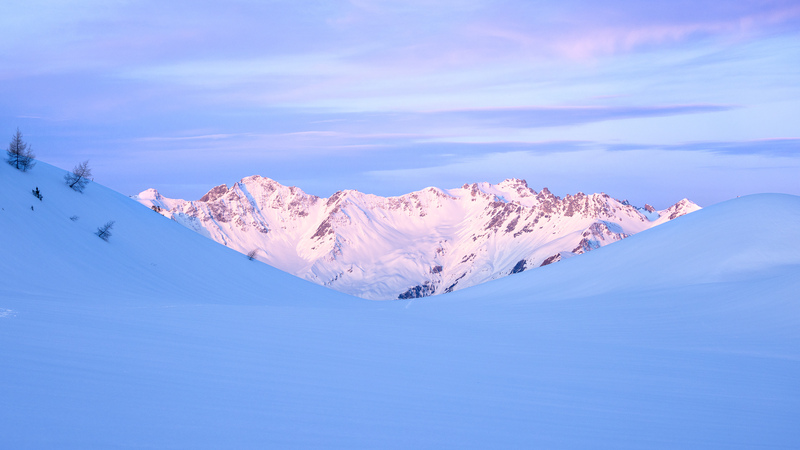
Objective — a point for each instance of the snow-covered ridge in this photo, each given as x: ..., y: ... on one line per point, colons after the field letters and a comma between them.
x: 686, y: 336
x: 427, y: 242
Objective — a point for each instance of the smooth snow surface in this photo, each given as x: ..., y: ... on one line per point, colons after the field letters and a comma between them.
x: 683, y: 336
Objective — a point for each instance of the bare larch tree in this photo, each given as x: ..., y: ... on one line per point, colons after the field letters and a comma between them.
x: 19, y: 154
x: 79, y: 177
x: 105, y: 231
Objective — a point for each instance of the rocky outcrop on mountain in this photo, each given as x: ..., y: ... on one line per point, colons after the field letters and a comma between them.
x: 424, y: 243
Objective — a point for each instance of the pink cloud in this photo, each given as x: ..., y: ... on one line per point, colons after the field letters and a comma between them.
x: 582, y: 39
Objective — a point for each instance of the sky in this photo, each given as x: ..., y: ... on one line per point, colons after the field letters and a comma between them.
x: 647, y: 101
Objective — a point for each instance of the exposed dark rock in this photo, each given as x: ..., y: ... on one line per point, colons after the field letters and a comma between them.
x: 570, y: 210
x: 597, y: 232
x: 335, y: 198
x: 214, y: 193
x: 323, y: 230
x: 519, y: 267
x: 437, y: 269
x: 649, y: 208
x: 512, y: 224
x: 586, y: 245
x: 420, y: 290
x: 218, y: 211
x: 452, y: 286
x: 551, y: 260
x: 528, y: 228
x: 677, y: 214
x: 501, y: 211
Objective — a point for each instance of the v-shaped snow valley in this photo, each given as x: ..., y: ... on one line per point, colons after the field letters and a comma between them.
x: 428, y: 242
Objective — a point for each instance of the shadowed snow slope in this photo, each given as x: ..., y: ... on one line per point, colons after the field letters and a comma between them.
x: 683, y: 336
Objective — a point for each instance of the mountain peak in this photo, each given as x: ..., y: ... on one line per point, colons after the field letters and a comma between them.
x: 215, y: 193
x: 513, y: 182
x: 147, y: 194
x: 680, y: 208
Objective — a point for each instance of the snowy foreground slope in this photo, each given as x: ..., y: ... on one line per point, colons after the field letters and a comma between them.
x: 424, y: 243
x: 683, y: 336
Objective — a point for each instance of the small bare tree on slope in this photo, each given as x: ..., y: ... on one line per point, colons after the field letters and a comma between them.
x: 104, y: 232
x: 79, y: 177
x: 251, y: 255
x: 19, y: 154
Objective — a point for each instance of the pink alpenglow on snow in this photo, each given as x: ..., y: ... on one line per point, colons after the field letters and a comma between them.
x: 428, y: 242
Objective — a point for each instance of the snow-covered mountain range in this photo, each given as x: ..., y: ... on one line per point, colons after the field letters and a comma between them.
x: 428, y: 242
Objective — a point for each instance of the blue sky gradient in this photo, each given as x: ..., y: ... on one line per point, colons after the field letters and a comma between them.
x: 651, y: 101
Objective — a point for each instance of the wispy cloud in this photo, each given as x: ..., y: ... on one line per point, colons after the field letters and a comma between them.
x: 212, y: 137
x: 589, y: 31
x: 320, y: 129
x: 776, y: 147
x: 328, y: 90
x: 221, y: 72
x: 659, y: 176
x: 548, y: 116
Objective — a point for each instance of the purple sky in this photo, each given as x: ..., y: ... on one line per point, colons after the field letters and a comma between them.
x: 650, y: 101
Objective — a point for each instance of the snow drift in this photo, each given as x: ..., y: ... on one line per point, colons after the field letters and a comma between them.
x: 683, y: 336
